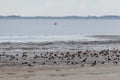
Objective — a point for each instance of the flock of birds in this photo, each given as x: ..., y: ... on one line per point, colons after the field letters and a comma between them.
x: 82, y: 58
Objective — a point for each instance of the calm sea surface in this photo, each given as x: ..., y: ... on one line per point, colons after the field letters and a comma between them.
x: 57, y: 27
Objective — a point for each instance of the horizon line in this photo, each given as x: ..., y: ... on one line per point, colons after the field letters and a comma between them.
x: 59, y: 16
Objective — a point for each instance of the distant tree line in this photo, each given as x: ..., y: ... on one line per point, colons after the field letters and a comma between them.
x: 64, y: 17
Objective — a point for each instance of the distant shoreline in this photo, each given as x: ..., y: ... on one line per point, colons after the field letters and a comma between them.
x: 62, y: 17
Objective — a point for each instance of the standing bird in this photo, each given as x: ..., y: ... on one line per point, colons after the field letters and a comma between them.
x: 94, y: 63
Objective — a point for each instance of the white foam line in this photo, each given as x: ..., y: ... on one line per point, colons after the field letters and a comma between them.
x: 37, y: 38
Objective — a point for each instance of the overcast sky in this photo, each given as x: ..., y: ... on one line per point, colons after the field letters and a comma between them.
x: 59, y: 7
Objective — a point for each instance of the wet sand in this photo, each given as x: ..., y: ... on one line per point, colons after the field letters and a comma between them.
x: 108, y: 72
x: 61, y: 71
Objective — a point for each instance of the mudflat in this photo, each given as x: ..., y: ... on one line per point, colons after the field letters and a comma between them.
x: 73, y: 60
x: 108, y: 72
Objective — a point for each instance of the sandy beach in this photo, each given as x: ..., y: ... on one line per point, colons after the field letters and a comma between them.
x: 59, y: 39
x: 108, y: 72
x: 72, y: 60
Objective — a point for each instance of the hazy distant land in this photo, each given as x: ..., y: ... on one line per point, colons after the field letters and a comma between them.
x: 62, y: 17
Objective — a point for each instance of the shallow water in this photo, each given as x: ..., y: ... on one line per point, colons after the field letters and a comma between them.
x: 47, y: 38
x: 45, y: 30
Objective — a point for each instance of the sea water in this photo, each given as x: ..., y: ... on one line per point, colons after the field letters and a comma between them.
x: 56, y: 29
